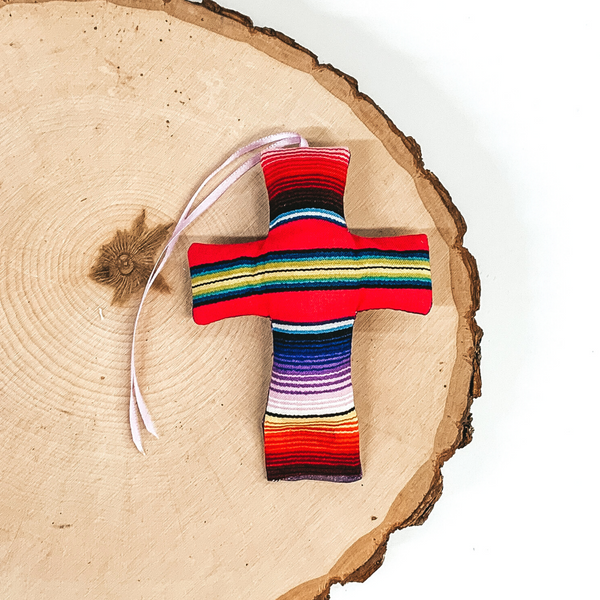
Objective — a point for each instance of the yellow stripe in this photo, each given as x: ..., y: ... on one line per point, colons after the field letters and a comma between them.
x: 334, y: 428
x: 347, y: 418
x: 337, y: 430
x: 296, y: 275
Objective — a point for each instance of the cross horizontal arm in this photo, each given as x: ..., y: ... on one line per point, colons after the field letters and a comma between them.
x: 401, y: 279
x: 212, y: 275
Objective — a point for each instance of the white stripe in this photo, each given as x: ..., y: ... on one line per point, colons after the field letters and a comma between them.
x: 311, y: 399
x: 307, y: 213
x: 305, y: 405
x: 284, y: 409
x: 322, y: 328
x: 325, y: 388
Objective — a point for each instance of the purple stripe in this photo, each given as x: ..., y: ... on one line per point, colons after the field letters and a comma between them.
x: 311, y: 382
x: 310, y: 368
x: 283, y: 378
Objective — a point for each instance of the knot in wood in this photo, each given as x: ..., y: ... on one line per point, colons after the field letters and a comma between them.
x: 125, y: 264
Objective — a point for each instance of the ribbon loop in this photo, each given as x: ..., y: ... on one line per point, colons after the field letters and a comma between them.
x: 137, y: 406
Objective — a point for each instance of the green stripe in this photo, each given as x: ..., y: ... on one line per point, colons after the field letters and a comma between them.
x: 314, y: 271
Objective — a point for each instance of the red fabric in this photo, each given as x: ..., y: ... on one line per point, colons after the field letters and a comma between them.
x: 324, y: 168
x: 310, y: 306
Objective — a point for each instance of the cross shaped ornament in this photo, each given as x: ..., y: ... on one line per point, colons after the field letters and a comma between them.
x: 310, y: 276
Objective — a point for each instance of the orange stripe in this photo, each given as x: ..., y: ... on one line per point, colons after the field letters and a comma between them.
x: 299, y: 439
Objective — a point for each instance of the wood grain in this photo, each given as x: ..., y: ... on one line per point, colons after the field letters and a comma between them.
x: 108, y: 109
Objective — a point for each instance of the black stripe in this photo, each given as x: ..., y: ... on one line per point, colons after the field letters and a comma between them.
x: 306, y: 470
x: 310, y: 339
x: 311, y: 287
x: 306, y: 197
x: 339, y: 414
x: 314, y: 341
x: 292, y: 255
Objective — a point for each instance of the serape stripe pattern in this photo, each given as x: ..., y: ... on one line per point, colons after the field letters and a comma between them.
x: 306, y: 178
x: 310, y: 276
x: 310, y: 424
x: 318, y: 269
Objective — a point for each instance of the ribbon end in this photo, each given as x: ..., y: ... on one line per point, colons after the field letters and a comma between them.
x: 134, y: 424
x: 150, y: 427
x: 138, y: 401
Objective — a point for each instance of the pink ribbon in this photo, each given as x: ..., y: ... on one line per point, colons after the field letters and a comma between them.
x: 188, y: 216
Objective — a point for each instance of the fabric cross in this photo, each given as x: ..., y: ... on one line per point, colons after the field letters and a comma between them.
x: 310, y: 276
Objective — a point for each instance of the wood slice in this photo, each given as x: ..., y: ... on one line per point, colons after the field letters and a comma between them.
x: 111, y: 109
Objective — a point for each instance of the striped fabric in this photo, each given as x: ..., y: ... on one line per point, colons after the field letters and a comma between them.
x: 310, y: 424
x: 314, y: 178
x: 318, y: 269
x: 310, y: 276
x: 307, y: 213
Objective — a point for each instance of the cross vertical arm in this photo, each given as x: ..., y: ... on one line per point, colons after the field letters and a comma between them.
x: 310, y: 425
x: 310, y: 276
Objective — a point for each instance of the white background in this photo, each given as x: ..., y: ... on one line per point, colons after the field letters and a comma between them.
x: 503, y: 99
